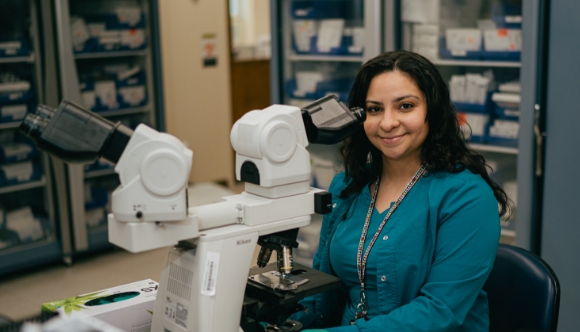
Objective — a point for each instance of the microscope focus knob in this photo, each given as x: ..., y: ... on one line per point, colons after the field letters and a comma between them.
x: 278, y: 141
x: 164, y: 172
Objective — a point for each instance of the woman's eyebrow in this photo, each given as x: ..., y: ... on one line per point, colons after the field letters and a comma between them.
x: 374, y: 102
x: 404, y: 97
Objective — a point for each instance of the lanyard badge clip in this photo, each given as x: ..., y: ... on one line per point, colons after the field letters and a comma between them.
x: 362, y: 308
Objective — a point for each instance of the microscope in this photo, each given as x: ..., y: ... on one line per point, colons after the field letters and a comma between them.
x: 205, y: 285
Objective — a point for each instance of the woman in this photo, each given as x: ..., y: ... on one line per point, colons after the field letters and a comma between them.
x: 415, y: 225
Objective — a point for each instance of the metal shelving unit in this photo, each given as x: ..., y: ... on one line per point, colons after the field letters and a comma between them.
x: 522, y: 163
x: 74, y: 178
x: 50, y: 247
x: 471, y: 63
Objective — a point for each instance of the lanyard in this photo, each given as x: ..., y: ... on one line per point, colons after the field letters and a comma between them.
x: 361, y: 261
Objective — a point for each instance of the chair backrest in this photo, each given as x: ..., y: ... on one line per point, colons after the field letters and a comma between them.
x: 523, y: 292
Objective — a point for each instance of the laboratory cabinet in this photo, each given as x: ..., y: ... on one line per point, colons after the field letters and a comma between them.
x: 317, y: 49
x: 29, y: 231
x: 490, y: 52
x: 108, y: 61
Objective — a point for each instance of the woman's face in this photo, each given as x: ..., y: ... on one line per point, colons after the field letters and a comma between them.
x: 396, y: 117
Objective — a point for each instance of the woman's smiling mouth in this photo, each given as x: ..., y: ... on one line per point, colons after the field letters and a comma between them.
x: 392, y: 139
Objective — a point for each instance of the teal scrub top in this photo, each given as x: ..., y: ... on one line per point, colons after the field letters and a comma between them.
x: 428, y: 266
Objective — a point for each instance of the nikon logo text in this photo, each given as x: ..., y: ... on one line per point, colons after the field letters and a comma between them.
x: 241, y: 242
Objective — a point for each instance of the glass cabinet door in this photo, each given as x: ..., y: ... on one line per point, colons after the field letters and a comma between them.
x: 322, y: 45
x: 28, y: 227
x: 317, y: 48
x: 480, y: 49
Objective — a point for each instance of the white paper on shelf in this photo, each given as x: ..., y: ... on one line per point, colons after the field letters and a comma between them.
x: 14, y: 86
x: 79, y: 31
x: 426, y: 29
x: 134, y: 38
x: 504, y: 40
x: 110, y: 37
x: 16, y: 150
x: 514, y: 87
x: 22, y: 222
x: 16, y: 112
x: 306, y: 81
x: 106, y: 90
x: 506, y: 100
x: 463, y: 39
x: 425, y: 40
x: 129, y: 15
x: 476, y: 87
x: 504, y: 129
x: 19, y: 171
x: 420, y: 11
x: 133, y: 95
x: 94, y: 217
x: 358, y: 37
x: 329, y: 34
x: 88, y: 99
x: 429, y: 52
x: 125, y: 74
x: 96, y: 29
x: 303, y: 31
x: 12, y: 45
x: 457, y: 88
x: 477, y: 122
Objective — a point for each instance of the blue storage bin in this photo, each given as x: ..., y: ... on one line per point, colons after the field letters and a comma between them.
x: 112, y: 21
x: 505, y: 114
x: 8, y: 237
x: 444, y: 53
x: 100, y: 197
x: 18, y: 173
x: 23, y: 50
x: 16, y: 97
x: 13, y: 113
x: 99, y: 164
x: 46, y: 229
x: 96, y: 217
x: 17, y: 152
x: 340, y: 87
x: 486, y: 108
x: 89, y: 46
x: 134, y: 80
x: 507, y: 136
x: 343, y: 50
x: 507, y: 15
x: 478, y: 133
x: 510, y: 143
x: 119, y: 47
x: 132, y: 96
x: 345, y: 9
x: 501, y: 56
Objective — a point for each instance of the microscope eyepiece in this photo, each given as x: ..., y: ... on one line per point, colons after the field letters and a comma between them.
x: 329, y: 121
x: 44, y: 111
x: 74, y: 134
x: 33, y: 126
x: 359, y: 113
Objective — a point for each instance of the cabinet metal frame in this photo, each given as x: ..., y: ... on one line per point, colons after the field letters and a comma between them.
x: 72, y: 177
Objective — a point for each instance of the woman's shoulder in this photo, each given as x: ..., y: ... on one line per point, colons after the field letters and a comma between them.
x: 444, y: 180
x: 339, y: 182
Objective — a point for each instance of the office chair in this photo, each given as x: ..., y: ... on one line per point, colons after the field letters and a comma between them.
x: 523, y: 292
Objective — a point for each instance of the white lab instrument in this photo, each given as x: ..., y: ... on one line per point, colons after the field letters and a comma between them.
x: 202, y: 285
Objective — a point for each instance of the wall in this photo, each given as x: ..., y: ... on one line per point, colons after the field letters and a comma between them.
x: 560, y: 219
x: 197, y: 98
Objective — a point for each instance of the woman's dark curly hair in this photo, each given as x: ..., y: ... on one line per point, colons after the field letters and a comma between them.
x: 444, y: 149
